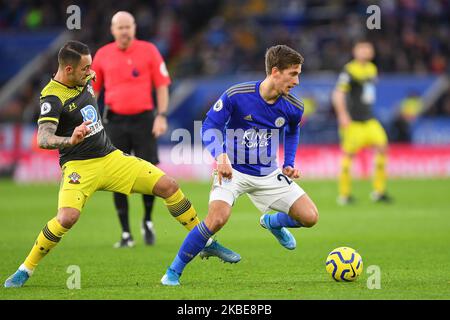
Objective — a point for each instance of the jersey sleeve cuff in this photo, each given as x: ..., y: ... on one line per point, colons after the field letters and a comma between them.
x: 48, y: 119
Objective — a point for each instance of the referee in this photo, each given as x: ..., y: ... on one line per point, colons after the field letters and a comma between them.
x: 129, y: 69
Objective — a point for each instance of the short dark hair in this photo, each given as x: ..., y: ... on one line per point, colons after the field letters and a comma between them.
x: 282, y: 57
x: 71, y: 52
x: 360, y: 41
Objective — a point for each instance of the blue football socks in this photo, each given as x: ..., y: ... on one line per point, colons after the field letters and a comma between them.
x: 281, y: 219
x: 192, y: 245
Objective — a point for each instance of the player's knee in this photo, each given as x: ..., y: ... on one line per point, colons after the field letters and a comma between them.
x: 310, y: 217
x: 305, y: 212
x: 220, y: 221
x: 67, y: 217
x: 217, y: 217
x: 172, y: 187
x: 166, y: 187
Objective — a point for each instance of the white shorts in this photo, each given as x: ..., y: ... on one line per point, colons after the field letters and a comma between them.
x: 272, y: 192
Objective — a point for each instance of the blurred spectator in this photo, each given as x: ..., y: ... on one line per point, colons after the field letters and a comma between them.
x: 323, y: 33
x: 310, y: 106
x: 442, y: 107
x: 33, y: 19
x: 410, y: 109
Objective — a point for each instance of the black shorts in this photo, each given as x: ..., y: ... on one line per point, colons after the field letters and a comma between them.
x: 133, y: 134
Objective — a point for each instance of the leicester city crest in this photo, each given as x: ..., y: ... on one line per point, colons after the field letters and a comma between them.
x: 279, y: 122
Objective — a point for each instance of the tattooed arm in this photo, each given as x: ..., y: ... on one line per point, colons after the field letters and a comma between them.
x: 48, y: 140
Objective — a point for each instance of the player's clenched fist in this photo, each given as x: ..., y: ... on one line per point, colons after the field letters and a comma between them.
x: 291, y: 172
x: 80, y: 132
x: 224, y: 169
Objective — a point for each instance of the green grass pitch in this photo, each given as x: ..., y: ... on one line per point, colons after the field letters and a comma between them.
x: 409, y: 241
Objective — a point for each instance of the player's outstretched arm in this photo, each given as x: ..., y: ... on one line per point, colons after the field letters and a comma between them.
x: 48, y: 140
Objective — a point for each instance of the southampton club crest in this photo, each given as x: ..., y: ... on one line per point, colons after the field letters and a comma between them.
x: 74, y: 178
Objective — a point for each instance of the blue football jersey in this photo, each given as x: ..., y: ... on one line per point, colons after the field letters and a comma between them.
x: 251, y: 128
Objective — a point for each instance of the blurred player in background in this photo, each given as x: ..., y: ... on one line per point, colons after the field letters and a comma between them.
x: 255, y: 113
x: 70, y: 121
x: 129, y: 69
x: 353, y: 100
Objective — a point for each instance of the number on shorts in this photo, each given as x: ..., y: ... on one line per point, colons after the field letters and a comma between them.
x: 282, y: 176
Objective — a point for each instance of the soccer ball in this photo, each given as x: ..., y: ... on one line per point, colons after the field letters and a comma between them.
x: 344, y: 264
